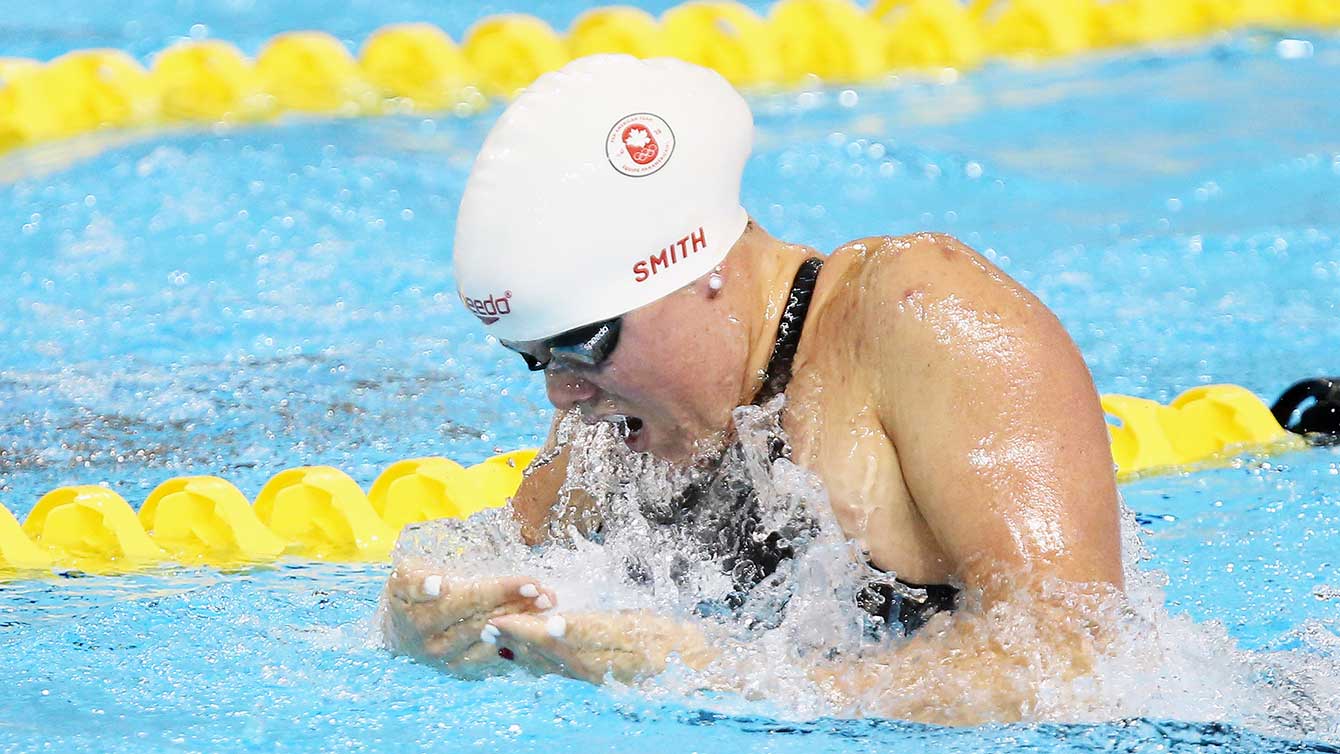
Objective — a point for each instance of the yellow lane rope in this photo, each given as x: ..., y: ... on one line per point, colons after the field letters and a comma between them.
x: 320, y: 513
x: 418, y: 68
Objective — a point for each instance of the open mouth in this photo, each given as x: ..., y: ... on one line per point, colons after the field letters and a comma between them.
x: 630, y: 428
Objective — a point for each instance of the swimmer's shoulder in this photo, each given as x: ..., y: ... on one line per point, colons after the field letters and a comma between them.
x: 879, y: 260
x: 892, y: 276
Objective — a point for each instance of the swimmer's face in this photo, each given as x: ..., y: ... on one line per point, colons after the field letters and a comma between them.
x: 675, y: 376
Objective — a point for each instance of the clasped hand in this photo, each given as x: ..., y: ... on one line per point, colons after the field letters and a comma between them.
x: 478, y: 627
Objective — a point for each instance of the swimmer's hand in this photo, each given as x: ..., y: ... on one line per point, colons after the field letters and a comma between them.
x: 439, y: 619
x: 627, y: 646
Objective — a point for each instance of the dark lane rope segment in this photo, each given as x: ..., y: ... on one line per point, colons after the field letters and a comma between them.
x: 1319, y: 422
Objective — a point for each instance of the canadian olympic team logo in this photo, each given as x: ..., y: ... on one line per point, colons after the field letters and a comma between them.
x: 639, y: 144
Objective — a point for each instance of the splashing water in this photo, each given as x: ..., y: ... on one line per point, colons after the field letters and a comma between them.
x: 637, y: 550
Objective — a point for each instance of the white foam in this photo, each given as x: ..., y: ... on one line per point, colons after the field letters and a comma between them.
x: 1153, y: 664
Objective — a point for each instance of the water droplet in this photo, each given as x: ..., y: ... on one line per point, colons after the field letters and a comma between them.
x: 1293, y: 49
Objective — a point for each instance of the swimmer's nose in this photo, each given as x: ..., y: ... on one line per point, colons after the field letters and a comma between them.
x: 567, y: 389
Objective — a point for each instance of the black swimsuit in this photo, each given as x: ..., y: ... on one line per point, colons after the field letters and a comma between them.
x: 752, y: 556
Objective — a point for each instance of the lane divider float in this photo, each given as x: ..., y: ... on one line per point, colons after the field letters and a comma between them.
x: 309, y: 513
x: 320, y: 513
x: 1201, y: 424
x: 419, y: 68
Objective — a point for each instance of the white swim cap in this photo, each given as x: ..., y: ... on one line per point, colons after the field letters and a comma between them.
x: 606, y: 185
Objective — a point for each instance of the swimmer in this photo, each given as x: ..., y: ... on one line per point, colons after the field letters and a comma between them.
x: 950, y: 417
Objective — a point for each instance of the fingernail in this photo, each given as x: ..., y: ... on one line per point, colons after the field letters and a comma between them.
x: 556, y: 626
x: 529, y: 590
x: 432, y: 585
x: 506, y: 653
x: 543, y: 602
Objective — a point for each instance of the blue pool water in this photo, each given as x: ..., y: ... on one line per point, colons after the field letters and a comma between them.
x: 240, y: 303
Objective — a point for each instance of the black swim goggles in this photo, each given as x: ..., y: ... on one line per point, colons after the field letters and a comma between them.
x: 587, y: 346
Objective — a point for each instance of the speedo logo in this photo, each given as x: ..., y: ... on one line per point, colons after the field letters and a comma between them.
x: 490, y: 309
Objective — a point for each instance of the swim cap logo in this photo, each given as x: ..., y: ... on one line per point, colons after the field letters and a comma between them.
x: 639, y: 144
x: 491, y: 309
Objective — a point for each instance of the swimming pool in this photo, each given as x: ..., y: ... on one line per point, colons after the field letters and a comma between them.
x: 240, y: 303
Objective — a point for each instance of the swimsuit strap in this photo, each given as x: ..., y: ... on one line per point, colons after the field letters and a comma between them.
x: 778, y: 373
x: 881, y: 599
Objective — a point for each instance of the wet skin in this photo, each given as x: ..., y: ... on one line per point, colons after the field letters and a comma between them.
x: 949, y: 415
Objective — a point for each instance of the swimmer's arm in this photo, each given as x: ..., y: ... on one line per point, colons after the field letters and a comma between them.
x: 1004, y: 449
x: 981, y: 665
x: 536, y: 500
x: 996, y: 422
x: 628, y: 645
